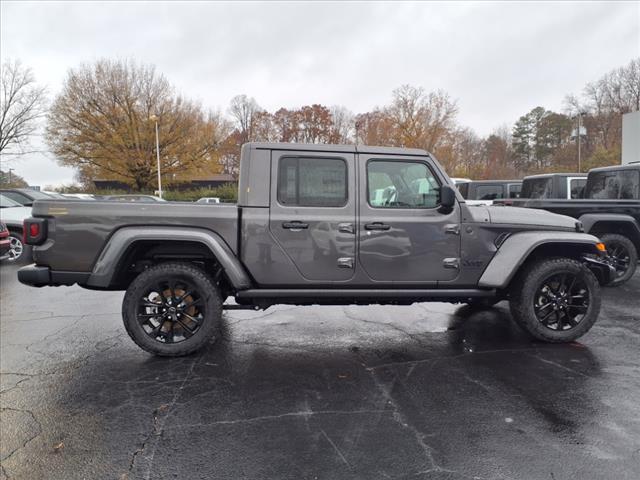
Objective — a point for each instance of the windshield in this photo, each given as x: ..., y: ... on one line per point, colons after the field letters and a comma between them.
x: 6, y: 202
x: 537, y: 188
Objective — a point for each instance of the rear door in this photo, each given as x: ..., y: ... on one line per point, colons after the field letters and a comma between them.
x: 404, y: 237
x: 312, y: 214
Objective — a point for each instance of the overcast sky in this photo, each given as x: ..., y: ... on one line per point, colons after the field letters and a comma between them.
x: 498, y: 59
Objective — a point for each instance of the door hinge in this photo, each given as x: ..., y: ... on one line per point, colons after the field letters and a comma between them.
x: 345, y: 262
x: 452, y: 228
x: 451, y: 263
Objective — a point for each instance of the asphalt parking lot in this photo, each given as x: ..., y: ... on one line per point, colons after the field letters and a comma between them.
x: 428, y: 391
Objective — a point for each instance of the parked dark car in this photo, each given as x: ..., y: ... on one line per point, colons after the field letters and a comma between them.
x: 332, y: 224
x: 13, y: 215
x: 489, y: 190
x: 554, y: 185
x: 5, y: 242
x: 25, y: 196
x: 610, y: 210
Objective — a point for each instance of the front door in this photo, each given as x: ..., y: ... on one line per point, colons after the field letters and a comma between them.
x: 404, y: 234
x: 312, y: 215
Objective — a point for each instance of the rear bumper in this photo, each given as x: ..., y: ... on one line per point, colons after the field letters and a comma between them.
x: 39, y: 276
x: 604, y: 271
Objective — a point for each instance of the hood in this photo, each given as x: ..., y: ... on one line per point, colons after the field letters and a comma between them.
x: 529, y: 216
x: 14, y: 215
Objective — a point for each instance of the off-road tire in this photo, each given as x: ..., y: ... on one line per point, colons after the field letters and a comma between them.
x: 620, y: 241
x: 208, y: 292
x: 525, y: 288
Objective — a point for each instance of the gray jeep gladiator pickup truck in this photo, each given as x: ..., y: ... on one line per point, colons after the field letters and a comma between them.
x: 319, y: 224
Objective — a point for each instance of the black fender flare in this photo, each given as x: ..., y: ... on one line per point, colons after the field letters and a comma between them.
x: 515, y: 250
x: 105, y: 266
x: 591, y: 220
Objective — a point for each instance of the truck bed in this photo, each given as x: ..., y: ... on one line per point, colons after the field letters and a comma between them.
x: 78, y: 229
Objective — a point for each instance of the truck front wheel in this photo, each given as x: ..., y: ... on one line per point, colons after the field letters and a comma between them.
x: 555, y: 300
x: 172, y: 309
x: 623, y: 255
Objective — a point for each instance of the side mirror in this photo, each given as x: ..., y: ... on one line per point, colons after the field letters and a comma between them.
x: 447, y: 196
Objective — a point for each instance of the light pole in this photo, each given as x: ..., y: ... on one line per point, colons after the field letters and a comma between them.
x: 10, y: 170
x: 154, y: 118
x: 579, y: 132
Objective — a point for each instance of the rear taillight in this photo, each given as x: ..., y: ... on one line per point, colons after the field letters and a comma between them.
x: 34, y: 231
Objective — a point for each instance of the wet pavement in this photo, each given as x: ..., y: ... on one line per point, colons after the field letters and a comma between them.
x: 428, y: 391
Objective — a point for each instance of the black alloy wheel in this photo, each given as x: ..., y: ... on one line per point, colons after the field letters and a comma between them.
x: 562, y: 301
x: 171, y: 311
x: 619, y: 257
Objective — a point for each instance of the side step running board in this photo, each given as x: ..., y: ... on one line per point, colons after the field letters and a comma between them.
x: 364, y: 293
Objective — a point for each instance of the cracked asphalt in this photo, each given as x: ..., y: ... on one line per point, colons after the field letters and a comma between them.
x: 429, y: 391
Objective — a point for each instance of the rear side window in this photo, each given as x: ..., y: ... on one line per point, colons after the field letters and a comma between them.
x: 489, y: 192
x: 401, y: 184
x: 312, y: 182
x: 514, y: 190
x: 463, y: 188
x: 576, y: 186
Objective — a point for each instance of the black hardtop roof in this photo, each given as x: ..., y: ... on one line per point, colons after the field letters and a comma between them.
x: 556, y: 174
x: 312, y: 147
x: 613, y: 168
x: 481, y: 182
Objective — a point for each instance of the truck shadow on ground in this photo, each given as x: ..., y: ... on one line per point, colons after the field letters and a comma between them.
x: 483, y: 369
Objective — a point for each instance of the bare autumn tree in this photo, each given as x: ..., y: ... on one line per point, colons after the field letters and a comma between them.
x: 422, y: 120
x: 286, y: 123
x: 103, y: 124
x: 22, y: 103
x: 375, y: 128
x: 244, y: 110
x: 315, y: 124
x: 343, y: 125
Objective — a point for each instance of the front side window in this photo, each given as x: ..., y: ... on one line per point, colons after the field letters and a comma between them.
x: 312, y: 182
x: 463, y: 188
x: 577, y: 186
x: 514, y: 190
x: 489, y: 192
x: 400, y: 184
x: 630, y: 185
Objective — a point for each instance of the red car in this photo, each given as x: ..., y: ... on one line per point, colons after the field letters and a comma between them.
x: 5, y: 243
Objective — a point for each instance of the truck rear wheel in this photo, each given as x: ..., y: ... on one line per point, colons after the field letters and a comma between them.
x: 172, y: 309
x: 19, y: 253
x: 623, y: 255
x: 556, y: 300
